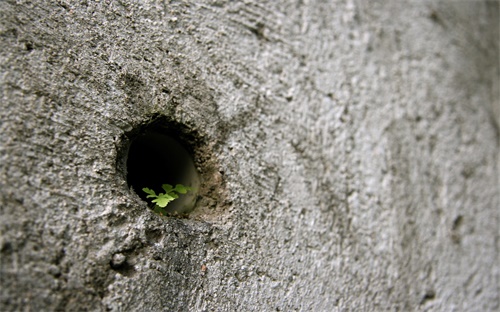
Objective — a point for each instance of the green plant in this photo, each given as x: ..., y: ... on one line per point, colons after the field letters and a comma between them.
x: 161, y: 200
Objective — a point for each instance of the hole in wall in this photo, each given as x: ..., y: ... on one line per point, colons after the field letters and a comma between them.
x: 159, y: 154
x: 161, y: 150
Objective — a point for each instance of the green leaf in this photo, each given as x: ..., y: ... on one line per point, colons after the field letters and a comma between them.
x: 163, y: 200
x: 181, y: 189
x: 167, y: 187
x: 149, y: 191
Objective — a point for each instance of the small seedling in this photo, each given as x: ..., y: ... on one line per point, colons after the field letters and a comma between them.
x: 161, y: 200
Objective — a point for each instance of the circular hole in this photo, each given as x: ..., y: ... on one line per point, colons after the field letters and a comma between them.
x: 156, y: 158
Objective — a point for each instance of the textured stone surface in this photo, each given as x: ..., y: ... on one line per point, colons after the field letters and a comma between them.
x: 348, y: 151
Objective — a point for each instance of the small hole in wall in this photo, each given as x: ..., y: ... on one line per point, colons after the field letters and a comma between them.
x: 158, y: 156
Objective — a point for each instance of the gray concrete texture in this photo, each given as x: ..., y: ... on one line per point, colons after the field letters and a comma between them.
x: 348, y: 153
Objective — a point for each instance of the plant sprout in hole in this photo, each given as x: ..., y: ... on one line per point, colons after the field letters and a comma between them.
x: 160, y: 201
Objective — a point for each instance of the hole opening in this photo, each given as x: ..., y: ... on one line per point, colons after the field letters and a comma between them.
x: 156, y: 156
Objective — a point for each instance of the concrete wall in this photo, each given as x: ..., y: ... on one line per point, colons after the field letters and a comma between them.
x: 348, y: 155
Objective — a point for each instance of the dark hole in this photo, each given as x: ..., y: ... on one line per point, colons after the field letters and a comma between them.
x: 124, y: 269
x: 430, y: 294
x: 156, y: 158
x: 29, y: 46
x: 457, y: 222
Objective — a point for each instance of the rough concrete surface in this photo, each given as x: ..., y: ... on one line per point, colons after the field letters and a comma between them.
x: 348, y: 153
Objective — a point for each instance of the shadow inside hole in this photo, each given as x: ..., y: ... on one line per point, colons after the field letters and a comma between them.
x: 154, y: 159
